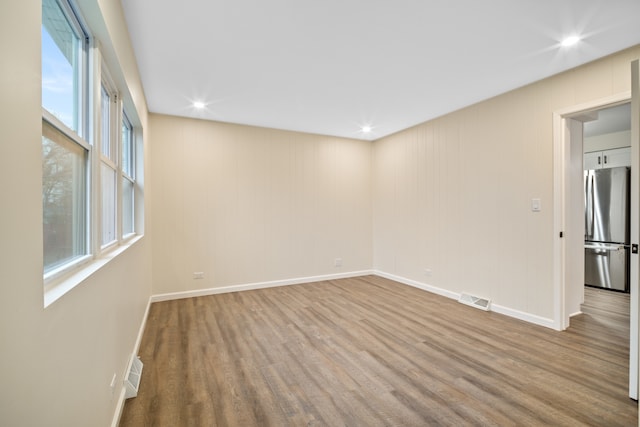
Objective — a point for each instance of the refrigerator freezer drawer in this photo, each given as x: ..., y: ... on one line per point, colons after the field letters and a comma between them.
x: 606, y: 267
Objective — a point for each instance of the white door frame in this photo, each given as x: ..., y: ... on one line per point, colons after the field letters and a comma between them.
x: 561, y: 253
x: 634, y: 361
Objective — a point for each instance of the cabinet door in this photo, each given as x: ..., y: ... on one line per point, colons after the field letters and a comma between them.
x: 617, y: 157
x: 593, y: 160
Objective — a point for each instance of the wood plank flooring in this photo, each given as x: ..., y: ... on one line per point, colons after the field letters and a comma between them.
x: 610, y: 308
x: 368, y: 351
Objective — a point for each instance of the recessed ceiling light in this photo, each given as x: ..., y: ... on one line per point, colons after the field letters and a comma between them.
x: 570, y: 41
x: 366, y: 129
x: 199, y: 105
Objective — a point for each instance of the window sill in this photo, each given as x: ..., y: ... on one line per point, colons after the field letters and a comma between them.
x: 56, y: 288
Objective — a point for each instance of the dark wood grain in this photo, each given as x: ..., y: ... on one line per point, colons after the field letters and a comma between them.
x: 368, y: 351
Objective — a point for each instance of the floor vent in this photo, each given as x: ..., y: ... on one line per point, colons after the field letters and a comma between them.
x: 133, y: 378
x: 481, y: 303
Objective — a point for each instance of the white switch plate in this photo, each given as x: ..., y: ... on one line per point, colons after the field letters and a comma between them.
x: 535, y: 205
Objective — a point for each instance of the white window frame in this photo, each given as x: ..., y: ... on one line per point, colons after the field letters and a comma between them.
x: 81, y: 137
x: 78, y: 261
x: 95, y: 75
x: 84, y: 97
x: 112, y: 161
x: 125, y: 175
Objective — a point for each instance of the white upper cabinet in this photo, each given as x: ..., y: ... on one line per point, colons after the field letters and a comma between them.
x: 608, y: 158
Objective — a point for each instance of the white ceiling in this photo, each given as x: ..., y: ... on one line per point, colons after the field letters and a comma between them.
x: 332, y: 66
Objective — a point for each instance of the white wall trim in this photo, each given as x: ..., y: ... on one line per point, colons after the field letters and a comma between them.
x: 558, y: 220
x: 595, y: 104
x: 143, y: 324
x: 258, y: 285
x: 527, y: 317
x: 419, y: 285
x: 136, y: 347
x: 119, y: 407
x: 521, y: 315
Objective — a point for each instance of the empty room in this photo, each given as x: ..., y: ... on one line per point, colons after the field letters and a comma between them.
x: 358, y: 213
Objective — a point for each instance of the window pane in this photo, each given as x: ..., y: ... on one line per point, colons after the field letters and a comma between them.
x: 105, y: 125
x: 63, y: 198
x: 128, y: 178
x: 108, y: 180
x: 61, y: 70
x: 127, y: 147
x: 127, y: 206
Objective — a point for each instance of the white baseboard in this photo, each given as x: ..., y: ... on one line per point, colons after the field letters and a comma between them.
x: 419, y: 285
x: 119, y: 407
x: 521, y: 315
x: 143, y: 324
x: 136, y: 348
x: 527, y: 317
x: 258, y: 285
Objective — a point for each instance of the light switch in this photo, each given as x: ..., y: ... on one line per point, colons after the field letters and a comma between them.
x: 535, y: 205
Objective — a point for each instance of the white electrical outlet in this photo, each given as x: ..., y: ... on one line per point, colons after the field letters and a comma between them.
x: 337, y: 262
x: 198, y: 274
x: 427, y: 272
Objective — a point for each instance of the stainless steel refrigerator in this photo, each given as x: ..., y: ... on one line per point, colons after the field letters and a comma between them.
x: 606, y: 246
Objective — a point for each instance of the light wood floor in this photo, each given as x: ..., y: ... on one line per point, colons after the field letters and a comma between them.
x: 371, y: 352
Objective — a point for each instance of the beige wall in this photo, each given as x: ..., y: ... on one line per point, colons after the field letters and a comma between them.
x: 56, y: 363
x: 246, y: 205
x: 453, y: 195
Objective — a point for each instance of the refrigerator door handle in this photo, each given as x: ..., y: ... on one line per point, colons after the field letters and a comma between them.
x: 605, y: 247
x: 593, y: 207
x: 587, y: 206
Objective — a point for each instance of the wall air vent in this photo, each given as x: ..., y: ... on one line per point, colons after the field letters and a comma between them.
x: 132, y: 382
x: 481, y: 303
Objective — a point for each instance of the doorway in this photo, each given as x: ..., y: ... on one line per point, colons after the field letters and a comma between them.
x: 606, y: 162
x: 569, y: 219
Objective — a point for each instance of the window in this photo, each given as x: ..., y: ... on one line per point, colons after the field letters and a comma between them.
x: 65, y: 154
x: 88, y: 150
x: 64, y: 201
x: 64, y: 65
x: 128, y: 178
x: 108, y: 166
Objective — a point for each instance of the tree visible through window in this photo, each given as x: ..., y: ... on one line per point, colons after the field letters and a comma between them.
x: 88, y: 159
x: 64, y: 154
x: 63, y: 198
